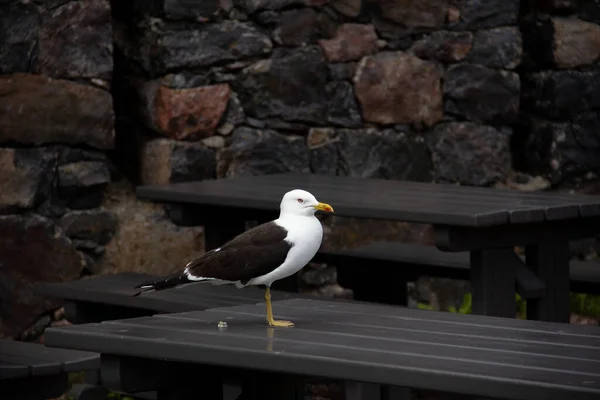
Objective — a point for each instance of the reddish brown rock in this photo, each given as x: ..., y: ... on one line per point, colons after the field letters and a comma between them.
x: 183, y: 114
x: 576, y: 42
x: 411, y: 13
x: 351, y: 42
x: 76, y: 40
x: 445, y: 46
x: 36, y: 110
x: 32, y: 249
x: 398, y: 88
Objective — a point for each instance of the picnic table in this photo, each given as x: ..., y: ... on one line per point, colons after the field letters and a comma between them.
x: 374, y: 348
x: 485, y: 222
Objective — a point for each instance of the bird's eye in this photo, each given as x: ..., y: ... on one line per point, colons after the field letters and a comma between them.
x: 300, y: 201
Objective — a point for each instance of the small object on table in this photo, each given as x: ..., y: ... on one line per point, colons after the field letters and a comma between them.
x: 261, y: 255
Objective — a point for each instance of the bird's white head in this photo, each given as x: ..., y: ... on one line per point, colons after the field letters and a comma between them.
x: 301, y: 202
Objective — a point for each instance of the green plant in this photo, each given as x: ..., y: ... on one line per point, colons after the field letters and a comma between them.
x: 585, y: 304
x: 465, y: 307
x: 119, y: 396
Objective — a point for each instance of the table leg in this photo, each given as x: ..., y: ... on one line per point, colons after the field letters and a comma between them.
x: 362, y: 391
x: 389, y: 286
x: 493, y: 282
x: 550, y: 262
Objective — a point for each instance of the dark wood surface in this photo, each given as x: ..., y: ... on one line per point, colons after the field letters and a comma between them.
x: 477, y: 355
x: 118, y: 290
x: 21, y: 359
x: 443, y: 204
x: 430, y: 261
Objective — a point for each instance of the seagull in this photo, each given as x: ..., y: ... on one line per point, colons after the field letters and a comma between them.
x: 261, y: 255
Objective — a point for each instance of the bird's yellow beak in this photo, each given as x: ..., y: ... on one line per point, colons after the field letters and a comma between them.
x: 324, y: 207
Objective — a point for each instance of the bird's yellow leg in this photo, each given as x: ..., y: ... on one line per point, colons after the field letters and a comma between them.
x: 270, y: 320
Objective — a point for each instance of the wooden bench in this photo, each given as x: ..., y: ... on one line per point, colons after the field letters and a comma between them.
x: 397, y: 262
x: 108, y: 297
x: 376, y: 349
x: 485, y: 222
x: 33, y: 371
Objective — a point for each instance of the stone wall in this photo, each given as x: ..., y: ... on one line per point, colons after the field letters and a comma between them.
x: 285, y: 85
x: 97, y: 97
x: 57, y: 136
x: 559, y: 133
x: 56, y: 124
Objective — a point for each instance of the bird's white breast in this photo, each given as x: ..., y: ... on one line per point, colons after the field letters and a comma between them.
x: 306, y: 234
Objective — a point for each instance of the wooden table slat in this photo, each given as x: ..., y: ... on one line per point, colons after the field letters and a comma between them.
x: 434, y: 203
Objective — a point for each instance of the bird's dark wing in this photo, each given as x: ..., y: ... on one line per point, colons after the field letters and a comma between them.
x: 253, y: 253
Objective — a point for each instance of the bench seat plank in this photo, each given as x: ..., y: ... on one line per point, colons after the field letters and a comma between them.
x: 37, y: 359
x: 430, y: 261
x: 470, y: 354
x: 12, y: 370
x: 118, y: 290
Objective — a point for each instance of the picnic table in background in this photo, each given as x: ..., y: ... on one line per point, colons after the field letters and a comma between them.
x: 486, y: 222
x: 375, y: 349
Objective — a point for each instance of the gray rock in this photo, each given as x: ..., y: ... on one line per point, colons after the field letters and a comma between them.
x: 89, y: 265
x: 251, y: 6
x: 497, y: 48
x: 191, y: 9
x: 588, y: 10
x: 98, y: 225
x: 483, y: 14
x: 88, y: 247
x: 290, y: 86
x: 422, y: 14
x: 342, y: 71
x: 26, y: 177
x: 76, y: 41
x: 267, y: 18
x: 469, y: 153
x: 391, y: 155
x: 561, y: 95
x: 342, y: 108
x: 199, y: 46
x: 482, y: 94
x: 18, y: 36
x: 234, y: 115
x: 559, y: 151
x: 258, y: 152
x: 81, y: 184
x: 32, y: 249
x: 297, y: 27
x: 277, y: 124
